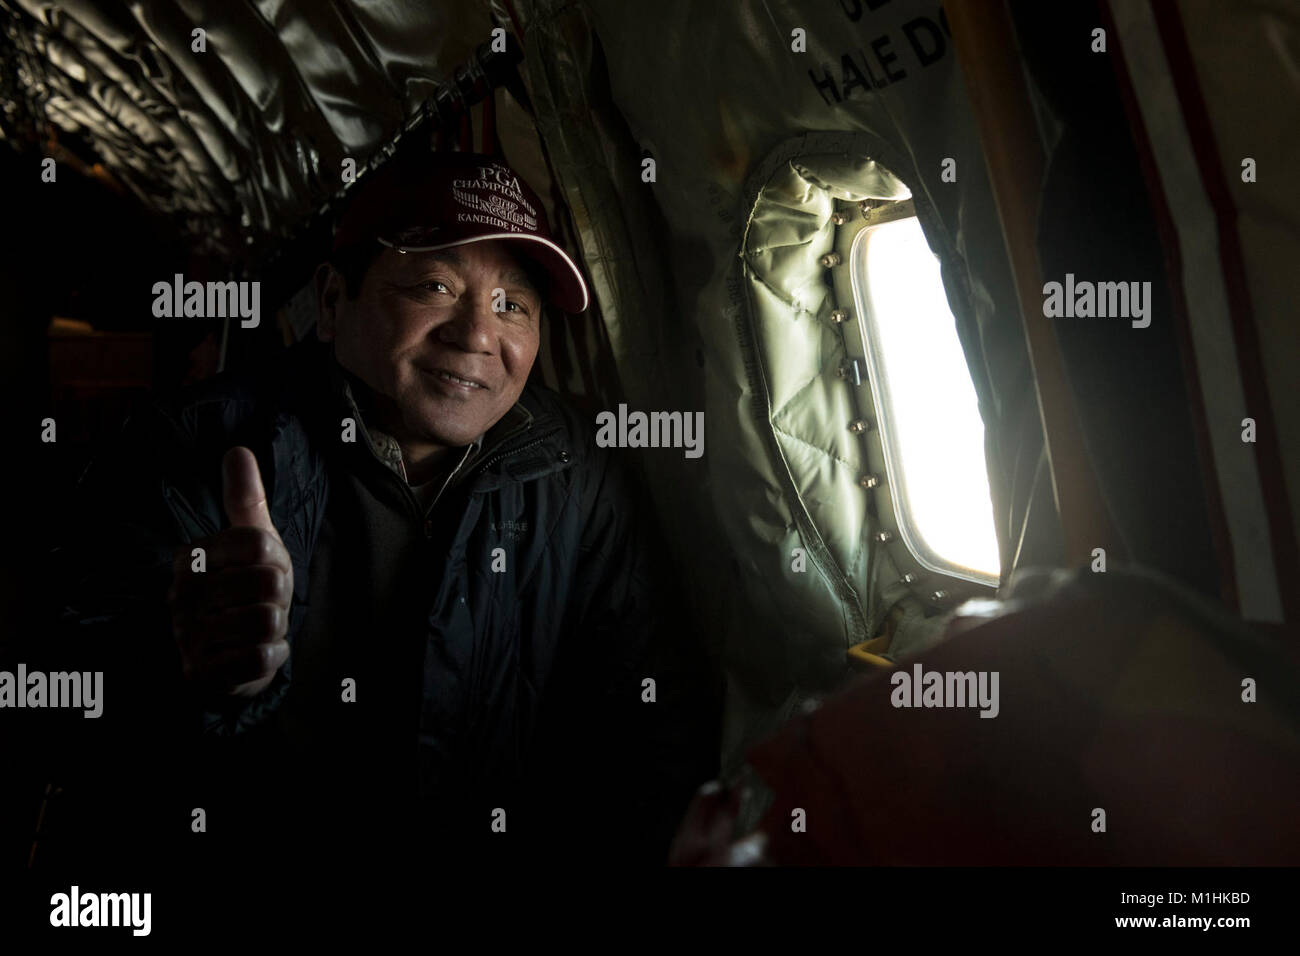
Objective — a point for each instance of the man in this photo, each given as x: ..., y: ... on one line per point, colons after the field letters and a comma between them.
x: 408, y: 604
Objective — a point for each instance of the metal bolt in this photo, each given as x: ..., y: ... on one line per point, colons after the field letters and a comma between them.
x: 909, y: 578
x: 884, y: 537
x: 838, y: 218
x: 831, y: 259
x: 938, y: 595
x: 564, y: 456
x: 869, y: 481
x: 839, y: 315
x: 859, y: 426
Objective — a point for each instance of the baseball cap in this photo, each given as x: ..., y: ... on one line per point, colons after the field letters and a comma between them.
x: 421, y: 201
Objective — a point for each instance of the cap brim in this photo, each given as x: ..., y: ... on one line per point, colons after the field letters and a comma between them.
x: 568, y: 288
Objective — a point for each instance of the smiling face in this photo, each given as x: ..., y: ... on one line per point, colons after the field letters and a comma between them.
x: 422, y: 333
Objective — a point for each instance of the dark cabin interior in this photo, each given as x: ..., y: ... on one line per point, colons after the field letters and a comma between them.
x: 983, y: 553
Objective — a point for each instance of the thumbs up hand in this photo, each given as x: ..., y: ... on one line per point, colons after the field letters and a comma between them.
x: 230, y: 619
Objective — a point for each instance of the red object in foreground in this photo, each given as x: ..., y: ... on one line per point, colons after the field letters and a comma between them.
x: 1121, y: 699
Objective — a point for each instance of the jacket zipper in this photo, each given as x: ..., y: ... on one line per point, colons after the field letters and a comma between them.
x: 507, y: 454
x: 472, y: 471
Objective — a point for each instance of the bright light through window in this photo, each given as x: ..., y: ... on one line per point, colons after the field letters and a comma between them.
x: 930, y: 424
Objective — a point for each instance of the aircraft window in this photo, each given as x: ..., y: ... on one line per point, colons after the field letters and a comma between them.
x: 930, y: 425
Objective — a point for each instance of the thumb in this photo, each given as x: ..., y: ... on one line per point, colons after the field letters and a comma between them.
x: 242, y: 492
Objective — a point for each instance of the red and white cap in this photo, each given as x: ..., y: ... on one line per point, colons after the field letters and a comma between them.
x: 423, y: 202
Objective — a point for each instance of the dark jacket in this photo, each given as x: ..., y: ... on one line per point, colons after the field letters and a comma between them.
x: 526, y: 685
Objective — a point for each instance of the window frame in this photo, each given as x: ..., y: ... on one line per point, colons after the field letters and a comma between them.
x: 877, y: 377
